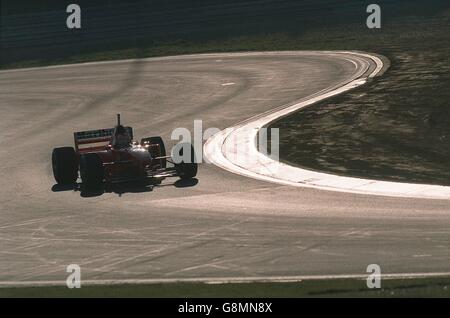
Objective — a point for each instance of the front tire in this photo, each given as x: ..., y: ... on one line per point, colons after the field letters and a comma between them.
x: 154, y: 152
x: 91, y: 171
x: 65, y: 165
x: 187, y: 170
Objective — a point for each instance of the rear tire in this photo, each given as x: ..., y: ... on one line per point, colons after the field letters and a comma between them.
x: 187, y: 170
x: 91, y: 171
x: 162, y: 149
x: 65, y: 165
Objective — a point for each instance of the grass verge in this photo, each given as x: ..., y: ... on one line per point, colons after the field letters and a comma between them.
x: 419, y: 287
x: 396, y: 128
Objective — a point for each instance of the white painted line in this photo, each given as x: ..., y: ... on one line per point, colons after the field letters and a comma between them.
x: 221, y: 149
x: 159, y: 59
x: 219, y: 280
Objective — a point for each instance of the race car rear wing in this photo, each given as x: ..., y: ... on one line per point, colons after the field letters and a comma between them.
x: 95, y: 140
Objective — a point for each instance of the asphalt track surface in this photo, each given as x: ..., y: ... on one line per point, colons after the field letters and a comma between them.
x: 222, y: 226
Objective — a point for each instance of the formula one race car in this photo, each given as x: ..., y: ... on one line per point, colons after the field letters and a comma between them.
x: 109, y: 156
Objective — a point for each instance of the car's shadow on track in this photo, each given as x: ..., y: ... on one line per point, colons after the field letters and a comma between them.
x: 184, y: 183
x: 64, y: 187
x: 123, y: 188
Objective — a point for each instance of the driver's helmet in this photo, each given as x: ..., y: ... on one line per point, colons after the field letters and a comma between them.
x: 121, y: 138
